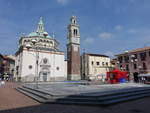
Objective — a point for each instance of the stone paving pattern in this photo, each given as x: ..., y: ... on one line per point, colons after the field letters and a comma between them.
x: 12, y: 101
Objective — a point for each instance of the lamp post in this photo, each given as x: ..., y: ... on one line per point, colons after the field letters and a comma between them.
x: 134, y: 62
x: 140, y: 67
x: 131, y: 57
x: 28, y: 46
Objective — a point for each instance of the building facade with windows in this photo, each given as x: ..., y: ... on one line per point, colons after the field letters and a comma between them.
x: 113, y: 63
x: 38, y: 57
x: 9, y: 64
x: 94, y: 66
x: 1, y: 66
x: 135, y: 62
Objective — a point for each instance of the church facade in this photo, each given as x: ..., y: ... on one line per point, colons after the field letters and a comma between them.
x: 38, y: 57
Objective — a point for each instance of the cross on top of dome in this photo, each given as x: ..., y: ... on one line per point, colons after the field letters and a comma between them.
x: 40, y: 28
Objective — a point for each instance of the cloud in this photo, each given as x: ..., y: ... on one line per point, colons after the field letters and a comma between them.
x: 105, y: 35
x: 89, y: 41
x: 118, y: 27
x: 62, y: 2
x: 132, y: 31
x: 110, y: 54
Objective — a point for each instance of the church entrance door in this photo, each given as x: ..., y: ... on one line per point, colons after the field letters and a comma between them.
x: 45, y: 76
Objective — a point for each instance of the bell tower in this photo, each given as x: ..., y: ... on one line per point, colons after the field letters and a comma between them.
x: 73, y: 50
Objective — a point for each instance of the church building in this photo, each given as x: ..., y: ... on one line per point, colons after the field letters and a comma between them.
x: 38, y: 57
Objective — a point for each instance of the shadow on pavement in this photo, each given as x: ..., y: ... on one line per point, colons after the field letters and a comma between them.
x: 57, y: 108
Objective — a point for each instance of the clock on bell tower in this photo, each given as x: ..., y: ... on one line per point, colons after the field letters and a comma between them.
x: 73, y: 50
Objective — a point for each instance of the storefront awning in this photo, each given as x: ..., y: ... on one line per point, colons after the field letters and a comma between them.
x: 144, y: 75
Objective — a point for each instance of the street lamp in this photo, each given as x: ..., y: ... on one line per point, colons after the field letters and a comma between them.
x: 133, y: 61
x: 140, y: 67
x: 28, y: 46
x: 131, y: 58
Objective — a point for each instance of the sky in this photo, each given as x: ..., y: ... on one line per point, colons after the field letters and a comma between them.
x: 106, y: 26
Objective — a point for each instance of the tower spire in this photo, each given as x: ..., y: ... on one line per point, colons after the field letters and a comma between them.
x: 40, y: 27
x: 73, y: 20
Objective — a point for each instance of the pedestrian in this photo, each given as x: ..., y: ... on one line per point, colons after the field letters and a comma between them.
x: 144, y: 80
x: 141, y: 79
x: 2, y: 83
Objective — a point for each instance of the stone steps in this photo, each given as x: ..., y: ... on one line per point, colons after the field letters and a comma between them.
x: 123, y: 95
x: 46, y: 97
x: 124, y: 99
x: 37, y: 93
x: 107, y: 98
x: 37, y: 90
x: 33, y: 96
x: 102, y: 100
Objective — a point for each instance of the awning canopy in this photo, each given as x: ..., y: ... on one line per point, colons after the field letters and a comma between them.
x: 144, y: 75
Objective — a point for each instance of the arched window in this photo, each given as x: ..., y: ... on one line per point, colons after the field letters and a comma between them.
x: 57, y: 68
x: 75, y: 32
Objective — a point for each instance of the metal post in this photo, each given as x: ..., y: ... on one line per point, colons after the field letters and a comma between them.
x: 37, y: 64
x: 34, y: 42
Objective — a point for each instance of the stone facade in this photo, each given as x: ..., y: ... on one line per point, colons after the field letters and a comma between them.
x: 113, y: 63
x: 94, y: 66
x: 1, y: 66
x: 73, y: 50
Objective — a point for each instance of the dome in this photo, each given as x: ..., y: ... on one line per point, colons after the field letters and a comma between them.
x: 40, y: 32
x: 33, y: 34
x: 48, y: 36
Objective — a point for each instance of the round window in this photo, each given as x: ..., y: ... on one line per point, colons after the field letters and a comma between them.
x: 45, y: 61
x: 30, y: 66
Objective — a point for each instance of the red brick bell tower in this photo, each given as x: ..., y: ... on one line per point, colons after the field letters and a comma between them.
x: 73, y: 50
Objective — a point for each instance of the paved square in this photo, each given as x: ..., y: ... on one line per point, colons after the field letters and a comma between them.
x: 62, y: 88
x: 16, y: 102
